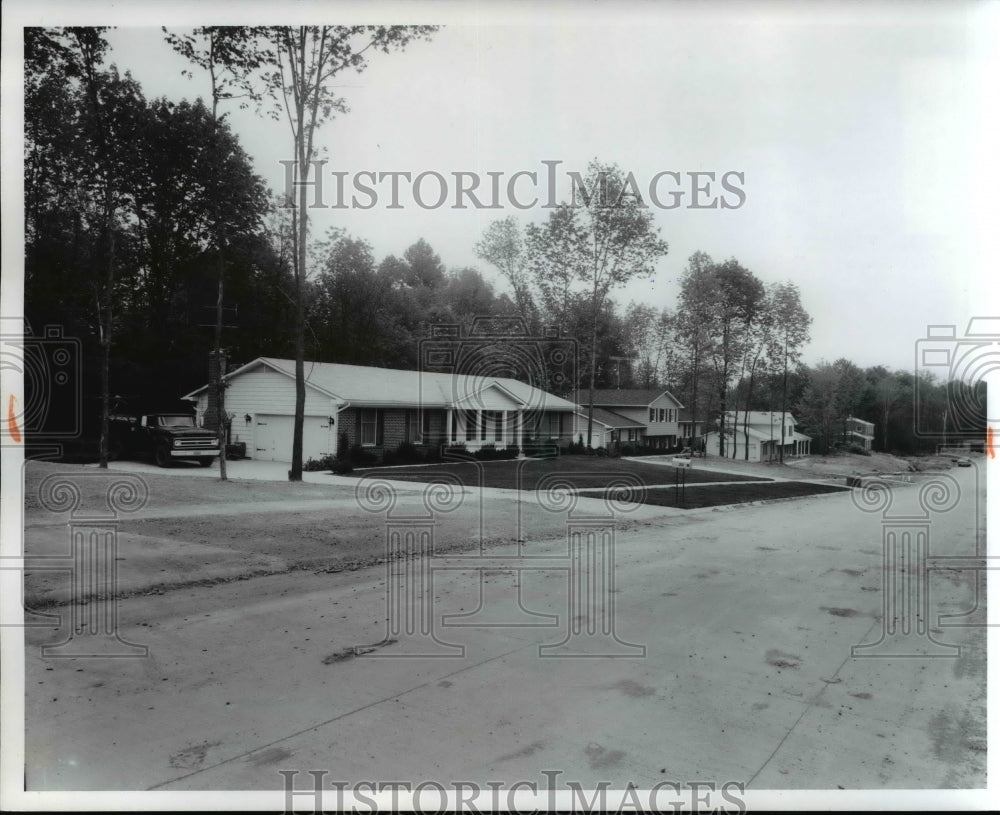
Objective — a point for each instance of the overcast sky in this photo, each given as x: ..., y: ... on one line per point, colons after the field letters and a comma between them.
x: 860, y: 132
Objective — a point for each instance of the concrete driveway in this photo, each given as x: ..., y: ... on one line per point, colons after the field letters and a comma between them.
x: 733, y: 664
x: 244, y: 469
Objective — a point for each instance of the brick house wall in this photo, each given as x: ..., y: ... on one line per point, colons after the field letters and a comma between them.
x: 394, y: 426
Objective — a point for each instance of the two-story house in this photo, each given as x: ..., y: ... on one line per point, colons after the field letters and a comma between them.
x: 758, y: 437
x: 656, y: 409
x: 858, y: 431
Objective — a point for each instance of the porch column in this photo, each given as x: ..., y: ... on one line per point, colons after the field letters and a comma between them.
x: 503, y: 429
x: 480, y: 428
x: 449, y: 426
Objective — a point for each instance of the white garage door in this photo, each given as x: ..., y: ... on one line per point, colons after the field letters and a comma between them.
x: 273, y: 437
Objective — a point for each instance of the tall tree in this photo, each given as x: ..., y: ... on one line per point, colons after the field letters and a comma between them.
x: 230, y: 56
x: 502, y: 245
x: 608, y: 241
x: 108, y: 115
x: 738, y: 297
x: 887, y: 391
x: 758, y: 339
x: 790, y: 334
x: 818, y: 406
x: 305, y: 61
x: 692, y: 322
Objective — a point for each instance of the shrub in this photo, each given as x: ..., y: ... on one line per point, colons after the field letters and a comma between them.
x: 456, y: 450
x: 541, y: 448
x: 601, y: 452
x: 512, y: 451
x: 342, y: 466
x: 627, y: 450
x: 324, y: 463
x: 408, y: 453
x: 360, y: 457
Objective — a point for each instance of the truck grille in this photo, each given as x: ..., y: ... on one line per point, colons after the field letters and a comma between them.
x: 197, y: 444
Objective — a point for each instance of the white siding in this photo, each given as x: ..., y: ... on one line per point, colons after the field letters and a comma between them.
x: 600, y: 436
x: 265, y: 391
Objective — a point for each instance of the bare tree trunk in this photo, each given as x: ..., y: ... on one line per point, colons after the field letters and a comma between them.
x: 295, y: 474
x: 107, y: 327
x: 220, y: 387
x: 784, y: 401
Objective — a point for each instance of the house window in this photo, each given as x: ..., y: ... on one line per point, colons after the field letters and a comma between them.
x: 663, y: 414
x: 369, y: 427
x: 471, y: 425
x: 652, y: 414
x: 553, y: 425
x: 498, y: 431
x: 413, y: 426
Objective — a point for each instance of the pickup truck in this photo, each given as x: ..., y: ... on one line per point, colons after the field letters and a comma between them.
x: 164, y: 437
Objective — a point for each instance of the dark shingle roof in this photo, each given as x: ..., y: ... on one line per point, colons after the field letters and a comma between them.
x: 626, y: 397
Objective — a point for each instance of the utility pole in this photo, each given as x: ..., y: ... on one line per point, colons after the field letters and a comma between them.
x: 618, y: 370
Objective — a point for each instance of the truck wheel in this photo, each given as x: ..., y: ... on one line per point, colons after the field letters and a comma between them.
x: 162, y: 456
x: 206, y: 462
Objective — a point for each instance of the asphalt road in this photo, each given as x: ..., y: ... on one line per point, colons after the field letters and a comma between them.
x: 731, y: 660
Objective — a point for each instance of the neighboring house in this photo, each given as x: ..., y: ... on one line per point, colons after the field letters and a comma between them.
x: 689, y: 429
x: 858, y: 431
x: 380, y: 408
x: 609, y: 428
x: 764, y: 431
x: 657, y: 409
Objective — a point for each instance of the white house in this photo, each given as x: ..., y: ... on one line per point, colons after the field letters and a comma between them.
x: 608, y: 428
x: 380, y: 408
x: 763, y: 431
x: 656, y: 409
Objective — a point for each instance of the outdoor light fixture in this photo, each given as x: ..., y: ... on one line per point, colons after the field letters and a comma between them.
x: 248, y: 418
x: 331, y: 420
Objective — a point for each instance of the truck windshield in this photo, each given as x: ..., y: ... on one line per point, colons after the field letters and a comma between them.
x: 176, y: 421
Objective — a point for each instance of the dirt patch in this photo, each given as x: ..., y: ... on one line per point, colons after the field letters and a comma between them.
x: 862, y: 695
x: 272, y: 755
x: 527, y: 750
x: 601, y: 757
x: 190, y: 758
x: 633, y: 689
x: 840, y: 612
x: 353, y: 651
x: 779, y: 659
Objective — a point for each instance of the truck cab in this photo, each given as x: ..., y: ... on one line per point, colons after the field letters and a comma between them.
x: 164, y: 437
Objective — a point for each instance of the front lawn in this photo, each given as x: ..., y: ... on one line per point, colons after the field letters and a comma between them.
x: 722, y: 494
x: 524, y: 474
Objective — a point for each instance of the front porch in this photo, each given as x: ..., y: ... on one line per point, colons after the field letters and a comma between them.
x: 502, y: 428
